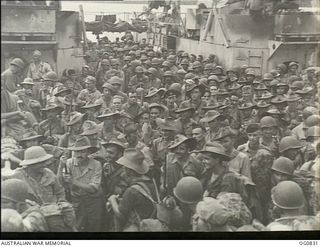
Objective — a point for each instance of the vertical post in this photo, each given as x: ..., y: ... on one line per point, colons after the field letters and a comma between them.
x: 83, y: 28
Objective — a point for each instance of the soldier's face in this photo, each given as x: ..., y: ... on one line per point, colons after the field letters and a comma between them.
x: 198, y: 134
x: 181, y: 150
x: 254, y: 137
x: 132, y: 97
x: 117, y: 104
x: 106, y: 92
x: 209, y: 161
x: 112, y: 153
x: 195, y: 94
x: 132, y: 138
x: 154, y: 113
x: 267, y: 131
x: 81, y: 155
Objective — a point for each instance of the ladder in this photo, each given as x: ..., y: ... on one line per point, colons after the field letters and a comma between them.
x: 255, y: 60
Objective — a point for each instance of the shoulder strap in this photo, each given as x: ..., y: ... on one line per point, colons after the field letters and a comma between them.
x: 144, y: 190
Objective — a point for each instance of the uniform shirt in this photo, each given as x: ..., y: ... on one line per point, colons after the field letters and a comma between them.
x: 239, y: 163
x: 46, y: 191
x: 114, y: 181
x: 37, y: 71
x: 90, y: 174
x: 300, y: 131
x: 11, y: 80
x: 86, y: 97
x: 159, y: 150
x: 177, y: 170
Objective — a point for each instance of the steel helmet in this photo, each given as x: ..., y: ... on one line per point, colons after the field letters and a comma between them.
x: 51, y: 76
x: 313, y: 120
x: 298, y: 84
x: 250, y: 72
x: 267, y: 122
x: 267, y: 77
x: 282, y: 66
x: 17, y: 62
x: 34, y: 155
x: 152, y: 71
x: 150, y: 54
x: 166, y: 63
x: 168, y: 74
x: 139, y: 69
x: 188, y: 190
x: 313, y: 131
x: 189, y: 76
x: 293, y: 78
x: 15, y: 190
x: 283, y: 165
x: 287, y: 195
x: 289, y: 142
x: 172, y: 58
x: 196, y: 64
x: 155, y: 61
x: 184, y: 62
x: 132, y: 53
x: 208, y: 66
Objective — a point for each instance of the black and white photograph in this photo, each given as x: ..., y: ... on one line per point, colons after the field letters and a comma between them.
x: 160, y: 117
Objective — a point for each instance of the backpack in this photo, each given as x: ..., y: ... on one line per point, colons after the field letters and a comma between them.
x: 158, y: 208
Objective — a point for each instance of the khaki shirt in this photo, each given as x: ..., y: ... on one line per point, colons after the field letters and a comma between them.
x: 90, y: 175
x: 36, y: 72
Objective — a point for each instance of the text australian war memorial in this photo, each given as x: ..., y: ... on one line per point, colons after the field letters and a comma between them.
x: 185, y: 116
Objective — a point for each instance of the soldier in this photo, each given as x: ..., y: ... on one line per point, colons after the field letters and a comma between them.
x: 30, y: 102
x: 215, y: 121
x: 195, y: 93
x: 138, y: 200
x: 90, y: 94
x: 114, y: 71
x: 106, y: 99
x: 101, y: 72
x: 82, y: 176
x: 37, y: 69
x: 14, y: 195
x: 113, y: 180
x: 11, y: 221
x: 44, y: 188
x: 239, y: 161
x: 290, y: 147
x: 180, y: 163
x: 173, y: 98
x: 288, y: 197
x: 139, y: 80
x: 199, y: 134
x: 154, y: 81
x: 160, y: 146
x: 260, y: 162
x: 49, y: 88
x: 75, y: 128
x: 269, y: 136
x: 11, y: 76
x: 188, y: 192
x: 107, y: 127
x: 52, y: 127
x: 185, y: 113
x: 117, y: 83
